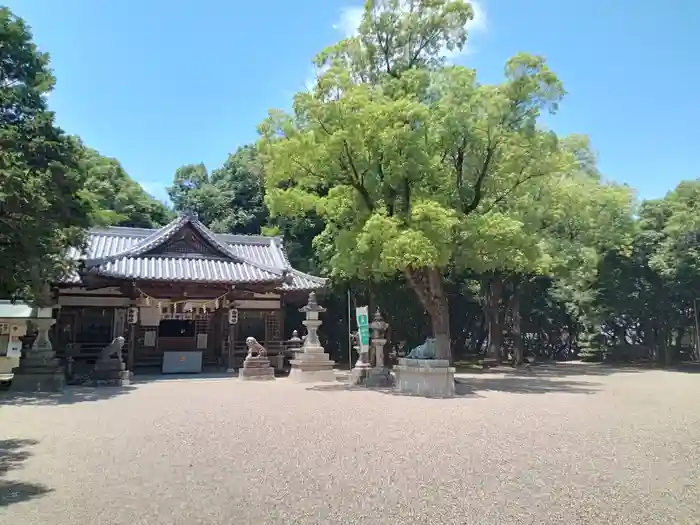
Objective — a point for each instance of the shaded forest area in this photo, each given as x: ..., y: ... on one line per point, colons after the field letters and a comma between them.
x: 402, y: 178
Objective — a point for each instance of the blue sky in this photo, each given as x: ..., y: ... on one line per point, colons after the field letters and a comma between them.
x: 159, y: 84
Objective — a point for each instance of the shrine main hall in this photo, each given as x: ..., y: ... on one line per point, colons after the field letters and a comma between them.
x: 180, y: 289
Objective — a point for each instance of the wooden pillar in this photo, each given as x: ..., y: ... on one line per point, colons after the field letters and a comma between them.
x: 231, y: 336
x: 131, y: 353
x: 130, y: 358
x: 282, y: 310
x: 231, y: 342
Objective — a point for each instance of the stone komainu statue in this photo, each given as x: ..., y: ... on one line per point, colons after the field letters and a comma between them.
x: 424, y: 351
x: 115, y: 347
x: 255, y: 348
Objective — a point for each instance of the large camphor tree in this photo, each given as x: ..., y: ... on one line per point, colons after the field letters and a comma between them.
x: 43, y: 211
x: 404, y: 155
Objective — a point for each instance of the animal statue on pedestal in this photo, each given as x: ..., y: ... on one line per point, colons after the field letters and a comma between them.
x: 115, y: 347
x: 424, y: 351
x: 255, y: 348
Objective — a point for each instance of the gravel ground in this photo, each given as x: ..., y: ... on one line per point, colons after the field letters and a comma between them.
x: 574, y: 444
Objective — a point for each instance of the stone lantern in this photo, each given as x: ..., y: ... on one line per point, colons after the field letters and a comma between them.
x: 380, y: 375
x: 39, y: 369
x: 312, y: 363
x: 294, y: 343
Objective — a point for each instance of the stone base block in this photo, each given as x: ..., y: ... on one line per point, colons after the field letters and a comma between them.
x: 110, y: 377
x: 380, y: 378
x: 360, y: 373
x: 38, y: 380
x: 257, y: 369
x: 312, y: 376
x: 425, y: 377
x: 312, y: 365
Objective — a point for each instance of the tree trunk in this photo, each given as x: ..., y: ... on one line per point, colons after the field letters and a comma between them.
x: 518, y: 347
x: 428, y: 285
x: 492, y: 288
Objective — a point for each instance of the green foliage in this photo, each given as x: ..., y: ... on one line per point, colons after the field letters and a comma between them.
x: 591, y: 346
x: 116, y: 198
x: 230, y: 200
x: 415, y: 166
x: 43, y: 208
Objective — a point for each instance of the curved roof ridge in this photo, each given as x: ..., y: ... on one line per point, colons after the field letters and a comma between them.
x: 165, y: 233
x: 324, y: 280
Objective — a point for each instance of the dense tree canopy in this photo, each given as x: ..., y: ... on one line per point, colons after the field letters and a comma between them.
x: 230, y: 200
x: 116, y: 198
x: 43, y: 207
x: 418, y: 169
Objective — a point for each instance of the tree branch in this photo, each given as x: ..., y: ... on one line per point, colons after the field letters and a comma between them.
x: 358, y: 178
x: 478, y: 185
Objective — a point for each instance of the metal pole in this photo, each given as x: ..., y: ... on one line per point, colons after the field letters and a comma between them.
x: 697, y: 330
x: 349, y: 330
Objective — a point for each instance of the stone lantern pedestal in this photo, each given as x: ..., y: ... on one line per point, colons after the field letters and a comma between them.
x: 312, y: 363
x: 39, y: 370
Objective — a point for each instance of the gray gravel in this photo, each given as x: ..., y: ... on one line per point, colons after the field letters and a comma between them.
x: 574, y: 444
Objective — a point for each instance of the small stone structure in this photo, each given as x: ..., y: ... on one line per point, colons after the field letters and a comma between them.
x: 363, y: 367
x: 39, y: 370
x: 256, y: 367
x: 312, y: 363
x: 425, y: 377
x: 110, y: 369
x: 380, y: 375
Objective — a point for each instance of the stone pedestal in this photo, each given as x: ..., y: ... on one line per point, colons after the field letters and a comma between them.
x: 110, y: 372
x: 256, y: 368
x: 363, y: 367
x: 360, y: 373
x: 425, y: 377
x: 311, y: 365
x: 39, y: 370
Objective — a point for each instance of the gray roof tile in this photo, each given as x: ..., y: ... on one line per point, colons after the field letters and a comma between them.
x: 184, y: 269
x: 123, y: 253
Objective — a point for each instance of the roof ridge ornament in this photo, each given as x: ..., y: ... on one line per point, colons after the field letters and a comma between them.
x: 190, y: 213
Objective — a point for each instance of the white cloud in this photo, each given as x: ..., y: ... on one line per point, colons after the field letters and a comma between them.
x: 350, y: 18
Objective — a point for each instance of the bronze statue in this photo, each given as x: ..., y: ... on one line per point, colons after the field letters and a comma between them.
x: 255, y: 347
x: 115, y: 347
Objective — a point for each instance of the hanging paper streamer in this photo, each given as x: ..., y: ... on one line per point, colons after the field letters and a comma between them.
x: 188, y: 305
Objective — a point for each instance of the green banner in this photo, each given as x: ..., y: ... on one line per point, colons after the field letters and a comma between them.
x: 362, y: 316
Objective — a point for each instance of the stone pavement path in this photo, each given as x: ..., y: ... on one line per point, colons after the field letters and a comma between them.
x: 572, y: 444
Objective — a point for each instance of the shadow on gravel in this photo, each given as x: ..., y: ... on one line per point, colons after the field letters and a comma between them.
x: 562, y: 369
x: 71, y: 395
x: 14, y: 452
x: 577, y: 368
x: 470, y: 387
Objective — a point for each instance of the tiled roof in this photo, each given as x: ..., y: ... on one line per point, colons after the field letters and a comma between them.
x: 123, y: 253
x: 185, y: 269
